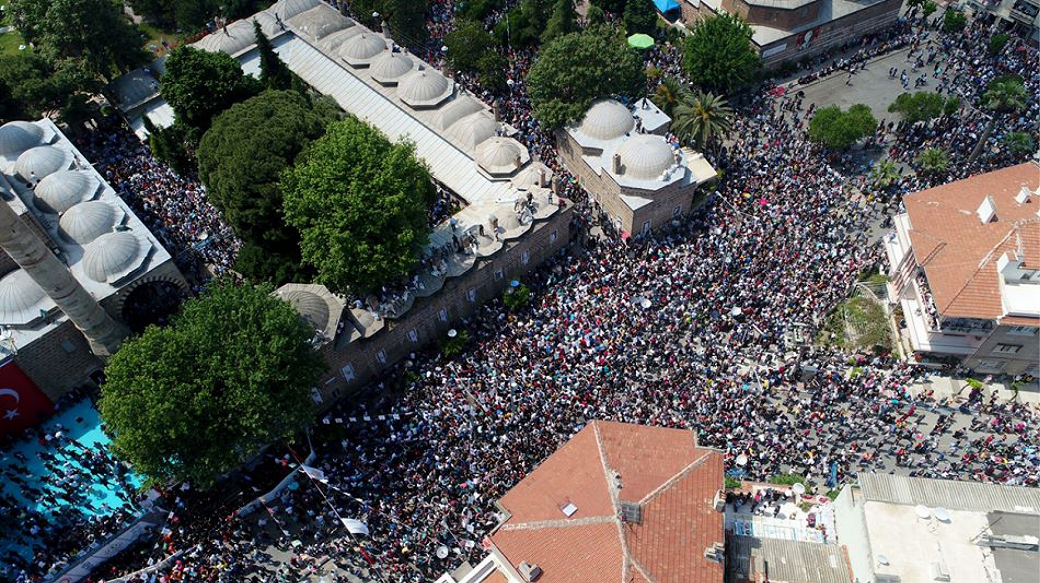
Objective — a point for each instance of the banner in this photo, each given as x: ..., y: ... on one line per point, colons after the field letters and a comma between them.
x: 22, y: 403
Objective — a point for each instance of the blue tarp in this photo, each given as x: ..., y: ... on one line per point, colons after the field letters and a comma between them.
x: 666, y: 5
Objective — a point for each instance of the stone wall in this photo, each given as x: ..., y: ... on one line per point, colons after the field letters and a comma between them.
x: 355, y: 364
x: 784, y: 19
x: 832, y: 34
x: 1014, y: 363
x: 59, y: 361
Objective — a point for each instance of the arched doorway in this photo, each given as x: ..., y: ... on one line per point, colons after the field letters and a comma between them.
x: 150, y: 303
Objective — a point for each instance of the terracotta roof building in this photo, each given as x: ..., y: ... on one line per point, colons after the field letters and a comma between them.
x: 618, y: 502
x: 965, y: 265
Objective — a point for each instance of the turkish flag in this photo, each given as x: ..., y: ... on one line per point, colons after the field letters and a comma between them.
x: 22, y: 403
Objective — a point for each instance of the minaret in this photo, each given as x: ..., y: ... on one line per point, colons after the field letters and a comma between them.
x: 103, y: 333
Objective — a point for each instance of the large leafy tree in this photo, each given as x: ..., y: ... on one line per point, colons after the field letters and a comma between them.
x: 640, y: 16
x: 94, y: 33
x: 471, y: 49
x: 700, y: 118
x: 564, y: 20
x: 574, y: 70
x: 241, y: 159
x: 31, y: 84
x: 719, y: 55
x: 187, y: 15
x: 839, y: 129
x: 198, y: 85
x: 195, y: 399
x: 1004, y: 95
x: 923, y: 106
x: 360, y: 204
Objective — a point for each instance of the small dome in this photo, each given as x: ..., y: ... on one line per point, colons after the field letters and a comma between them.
x: 286, y: 9
x: 62, y: 190
x: 19, y: 295
x: 87, y: 221
x: 240, y: 35
x: 41, y: 161
x: 388, y: 66
x: 111, y: 256
x: 473, y: 129
x: 607, y: 120
x: 320, y: 21
x: 18, y: 136
x: 457, y: 109
x: 646, y: 157
x: 310, y: 306
x: 501, y: 156
x: 359, y: 50
x: 268, y: 24
x: 423, y: 88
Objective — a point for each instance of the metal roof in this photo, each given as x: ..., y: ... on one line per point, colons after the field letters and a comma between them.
x: 949, y: 494
x: 785, y: 560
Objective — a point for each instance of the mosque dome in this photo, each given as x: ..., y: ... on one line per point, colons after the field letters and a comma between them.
x: 58, y: 192
x: 87, y: 221
x: 500, y: 155
x: 268, y: 23
x: 320, y: 22
x: 286, y: 9
x: 240, y: 35
x: 646, y: 157
x: 41, y: 161
x: 425, y: 88
x: 18, y: 136
x: 357, y: 51
x: 388, y: 66
x: 19, y: 295
x: 111, y: 256
x: 607, y: 120
x: 457, y: 109
x: 310, y: 306
x: 473, y: 129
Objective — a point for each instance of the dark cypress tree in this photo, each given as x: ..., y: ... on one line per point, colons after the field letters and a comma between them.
x: 274, y: 74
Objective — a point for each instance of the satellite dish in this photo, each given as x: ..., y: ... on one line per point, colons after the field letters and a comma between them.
x: 942, y: 514
x: 882, y: 559
x: 798, y: 488
x: 442, y: 552
x: 742, y: 460
x: 922, y: 512
x: 452, y: 333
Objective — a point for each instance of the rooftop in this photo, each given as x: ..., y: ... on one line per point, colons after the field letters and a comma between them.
x: 618, y: 502
x: 959, y: 252
x: 752, y: 558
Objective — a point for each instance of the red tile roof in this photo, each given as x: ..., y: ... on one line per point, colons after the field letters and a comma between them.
x: 958, y: 252
x: 661, y: 469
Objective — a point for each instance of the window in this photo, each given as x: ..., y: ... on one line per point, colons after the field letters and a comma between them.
x: 677, y: 211
x: 631, y: 512
x: 381, y: 356
x: 525, y: 257
x: 991, y: 365
x: 646, y: 227
x: 1008, y: 348
x: 68, y: 346
x: 348, y: 372
x: 413, y: 335
x: 552, y: 237
x: 1023, y: 330
x: 443, y: 315
x: 499, y: 275
x: 472, y: 295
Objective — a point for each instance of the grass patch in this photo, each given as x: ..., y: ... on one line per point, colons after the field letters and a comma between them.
x: 10, y: 41
x: 787, y: 479
x: 858, y: 323
x: 833, y: 494
x: 153, y: 37
x: 731, y: 483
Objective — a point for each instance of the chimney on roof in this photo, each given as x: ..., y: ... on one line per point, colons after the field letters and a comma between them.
x: 987, y: 211
x: 529, y: 572
x: 1024, y: 195
x: 386, y: 28
x: 616, y: 163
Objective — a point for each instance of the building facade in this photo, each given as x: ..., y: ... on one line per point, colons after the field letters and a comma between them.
x: 964, y: 268
x: 792, y: 30
x: 1021, y: 17
x: 622, y: 159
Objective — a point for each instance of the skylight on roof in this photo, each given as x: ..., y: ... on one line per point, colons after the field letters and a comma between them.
x: 569, y: 509
x: 987, y: 210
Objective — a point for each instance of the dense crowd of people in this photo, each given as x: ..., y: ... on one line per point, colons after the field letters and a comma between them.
x: 697, y: 327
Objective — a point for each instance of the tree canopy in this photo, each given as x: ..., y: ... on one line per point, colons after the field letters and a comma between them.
x: 954, y: 21
x: 195, y: 399
x: 719, y: 55
x: 574, y: 70
x: 700, y: 118
x: 923, y: 106
x: 839, y: 129
x: 31, y: 84
x: 198, y: 85
x: 471, y: 49
x: 94, y: 33
x: 241, y: 159
x: 360, y: 204
x: 640, y: 16
x: 564, y: 20
x: 274, y: 74
x: 187, y: 15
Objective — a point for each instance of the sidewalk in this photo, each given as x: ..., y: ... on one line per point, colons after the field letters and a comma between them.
x: 945, y: 386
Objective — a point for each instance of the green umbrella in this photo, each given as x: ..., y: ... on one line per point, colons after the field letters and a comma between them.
x: 640, y: 41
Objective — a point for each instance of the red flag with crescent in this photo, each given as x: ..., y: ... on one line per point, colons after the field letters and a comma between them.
x: 22, y: 403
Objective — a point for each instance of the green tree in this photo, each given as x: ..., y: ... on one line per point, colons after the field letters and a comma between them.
x: 595, y: 15
x: 954, y: 21
x: 719, y: 55
x: 700, y: 118
x: 929, y: 8
x: 169, y: 145
x: 407, y: 20
x: 997, y: 43
x: 574, y: 70
x: 564, y: 20
x: 198, y: 85
x: 1018, y: 143
x: 1005, y: 95
x: 472, y: 49
x: 839, y: 129
x: 95, y: 33
x: 933, y: 162
x: 615, y: 7
x: 229, y: 375
x: 360, y: 204
x: 884, y: 174
x: 188, y: 15
x: 640, y: 16
x: 274, y: 74
x: 669, y: 94
x: 923, y: 106
x: 241, y: 160
x: 32, y: 84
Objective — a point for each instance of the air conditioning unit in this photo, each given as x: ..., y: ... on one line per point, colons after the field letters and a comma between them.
x: 529, y: 572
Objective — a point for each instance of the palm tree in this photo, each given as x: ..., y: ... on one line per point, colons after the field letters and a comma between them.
x: 1003, y: 96
x: 884, y: 173
x: 1018, y: 142
x: 701, y: 118
x: 669, y: 94
x: 933, y: 161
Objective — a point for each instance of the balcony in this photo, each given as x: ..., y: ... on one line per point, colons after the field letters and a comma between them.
x: 922, y: 327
